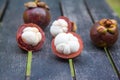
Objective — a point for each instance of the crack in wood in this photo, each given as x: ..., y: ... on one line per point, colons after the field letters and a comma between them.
x: 61, y: 9
x: 108, y: 53
x: 3, y: 9
x: 87, y: 8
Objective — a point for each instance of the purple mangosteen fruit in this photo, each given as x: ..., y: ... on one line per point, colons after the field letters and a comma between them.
x: 38, y: 13
x: 104, y: 33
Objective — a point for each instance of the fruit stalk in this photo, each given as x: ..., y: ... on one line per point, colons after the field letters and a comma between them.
x: 28, y: 67
x: 72, y: 68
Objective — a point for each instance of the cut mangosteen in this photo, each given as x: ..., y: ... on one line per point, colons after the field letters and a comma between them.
x: 62, y: 24
x: 21, y: 42
x: 71, y: 55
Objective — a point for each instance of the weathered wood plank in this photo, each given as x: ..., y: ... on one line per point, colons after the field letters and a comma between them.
x: 12, y: 59
x: 92, y: 64
x: 3, y: 7
x: 102, y: 10
x: 45, y: 65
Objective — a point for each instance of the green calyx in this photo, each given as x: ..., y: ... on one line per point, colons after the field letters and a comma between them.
x: 101, y: 29
x: 107, y: 25
x: 112, y: 29
x: 36, y: 3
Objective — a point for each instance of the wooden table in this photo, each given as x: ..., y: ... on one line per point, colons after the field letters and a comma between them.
x: 92, y: 64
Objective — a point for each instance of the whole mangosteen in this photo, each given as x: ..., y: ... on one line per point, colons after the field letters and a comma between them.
x: 38, y: 13
x: 104, y: 33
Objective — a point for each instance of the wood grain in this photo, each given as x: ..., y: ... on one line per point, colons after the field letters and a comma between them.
x: 92, y: 64
x: 3, y: 7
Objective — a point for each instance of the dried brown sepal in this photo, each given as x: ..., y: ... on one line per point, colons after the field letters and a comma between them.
x: 101, y: 29
x: 102, y: 21
x: 108, y: 22
x: 74, y: 27
x: 41, y: 4
x: 114, y: 22
x: 47, y: 7
x: 30, y: 4
x: 112, y: 29
x: 37, y: 1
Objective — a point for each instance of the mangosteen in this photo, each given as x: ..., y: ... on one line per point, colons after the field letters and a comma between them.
x: 38, y: 13
x: 104, y: 33
x: 30, y: 37
x: 65, y: 49
x: 62, y: 24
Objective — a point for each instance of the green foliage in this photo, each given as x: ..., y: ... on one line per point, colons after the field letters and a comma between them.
x: 115, y: 5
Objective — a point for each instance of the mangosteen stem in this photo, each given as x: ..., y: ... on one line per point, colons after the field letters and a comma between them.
x: 112, y: 62
x: 72, y: 68
x: 28, y: 67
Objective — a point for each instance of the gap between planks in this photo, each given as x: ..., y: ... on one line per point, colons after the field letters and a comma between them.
x: 3, y: 9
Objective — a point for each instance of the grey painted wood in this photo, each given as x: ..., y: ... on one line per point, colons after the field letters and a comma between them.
x: 92, y: 64
x: 3, y: 7
x: 103, y: 10
x: 45, y: 65
x: 12, y: 59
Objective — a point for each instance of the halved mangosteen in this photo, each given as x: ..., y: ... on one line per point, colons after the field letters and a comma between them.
x: 67, y: 45
x: 62, y: 24
x: 30, y: 37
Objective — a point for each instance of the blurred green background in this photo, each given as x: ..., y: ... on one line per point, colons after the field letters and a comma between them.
x: 115, y: 5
